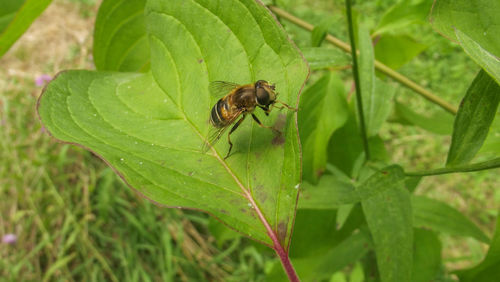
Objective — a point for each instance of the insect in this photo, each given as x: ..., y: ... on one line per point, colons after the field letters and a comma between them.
x: 240, y: 100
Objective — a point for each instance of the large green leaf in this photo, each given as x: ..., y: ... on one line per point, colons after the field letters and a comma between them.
x: 120, y: 38
x: 16, y: 17
x: 323, y: 109
x: 376, y: 95
x: 482, y: 57
x: 477, y: 19
x: 387, y: 210
x: 429, y: 213
x: 473, y: 120
x: 487, y: 270
x: 150, y: 127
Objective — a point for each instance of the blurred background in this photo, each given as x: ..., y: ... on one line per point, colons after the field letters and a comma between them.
x: 64, y: 215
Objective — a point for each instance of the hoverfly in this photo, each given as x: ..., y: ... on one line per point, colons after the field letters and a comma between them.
x: 240, y: 100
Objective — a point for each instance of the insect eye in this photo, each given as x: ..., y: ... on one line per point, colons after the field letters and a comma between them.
x: 262, y: 96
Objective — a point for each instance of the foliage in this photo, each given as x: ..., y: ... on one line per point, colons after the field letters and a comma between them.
x: 148, y: 120
x: 15, y: 18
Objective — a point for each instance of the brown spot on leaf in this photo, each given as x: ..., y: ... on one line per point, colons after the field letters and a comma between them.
x: 200, y: 61
x: 280, y: 122
x: 282, y: 230
x: 319, y: 172
x: 278, y: 140
x: 224, y: 211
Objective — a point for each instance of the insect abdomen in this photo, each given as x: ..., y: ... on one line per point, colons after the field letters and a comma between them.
x: 218, y: 117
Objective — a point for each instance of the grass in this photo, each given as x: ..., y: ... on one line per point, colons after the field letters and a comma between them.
x: 75, y: 220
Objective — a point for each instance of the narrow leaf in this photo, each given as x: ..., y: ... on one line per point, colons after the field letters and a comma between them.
x: 323, y: 109
x: 487, y: 270
x: 319, y: 32
x: 387, y: 210
x: 439, y: 123
x: 403, y: 14
x: 427, y: 256
x: 475, y: 115
x: 329, y: 193
x: 120, y: 38
x: 397, y: 50
x: 477, y: 19
x: 151, y: 127
x: 376, y: 95
x: 482, y: 57
x: 324, y: 57
x: 16, y: 17
x: 439, y: 216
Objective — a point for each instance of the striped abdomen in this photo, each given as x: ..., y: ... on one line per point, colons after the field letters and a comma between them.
x: 220, y: 114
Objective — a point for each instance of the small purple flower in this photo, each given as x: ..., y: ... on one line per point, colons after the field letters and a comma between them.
x: 9, y: 238
x: 42, y: 79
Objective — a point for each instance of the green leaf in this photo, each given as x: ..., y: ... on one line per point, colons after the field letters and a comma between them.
x: 319, y: 32
x: 439, y: 216
x: 345, y: 149
x: 376, y: 95
x: 323, y: 109
x: 120, y: 38
x: 475, y: 115
x: 317, y: 268
x: 329, y: 193
x: 403, y: 14
x: 387, y: 210
x: 489, y: 164
x: 439, y: 123
x: 426, y: 256
x: 491, y: 144
x: 477, y: 19
x: 324, y: 57
x: 151, y: 127
x: 314, y: 232
x: 487, y: 270
x: 482, y: 57
x: 16, y: 17
x: 8, y: 12
x: 397, y: 50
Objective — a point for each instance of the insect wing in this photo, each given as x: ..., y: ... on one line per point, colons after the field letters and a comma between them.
x: 221, y: 88
x: 215, y: 133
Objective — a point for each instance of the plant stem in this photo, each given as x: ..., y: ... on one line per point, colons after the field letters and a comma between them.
x: 378, y: 65
x: 495, y: 163
x: 287, y: 264
x: 356, y: 80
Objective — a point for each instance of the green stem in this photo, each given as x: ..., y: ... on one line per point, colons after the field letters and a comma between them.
x: 378, y: 65
x: 356, y: 80
x: 495, y: 163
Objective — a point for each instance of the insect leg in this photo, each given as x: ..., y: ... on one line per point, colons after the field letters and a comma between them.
x: 285, y: 105
x: 229, y: 135
x: 265, y: 109
x: 265, y: 126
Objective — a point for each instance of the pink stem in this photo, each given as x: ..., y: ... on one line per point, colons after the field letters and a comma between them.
x: 285, y: 261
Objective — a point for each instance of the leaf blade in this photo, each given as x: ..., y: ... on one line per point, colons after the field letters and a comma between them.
x: 473, y: 120
x: 150, y: 127
x: 20, y: 22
